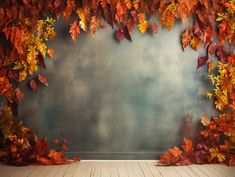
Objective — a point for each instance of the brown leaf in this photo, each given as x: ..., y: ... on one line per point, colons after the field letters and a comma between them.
x: 51, y: 53
x: 202, y: 61
x: 127, y: 33
x: 120, y: 34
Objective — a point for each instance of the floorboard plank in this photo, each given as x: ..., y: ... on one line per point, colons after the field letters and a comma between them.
x: 113, y: 169
x: 154, y: 169
x: 198, y: 171
x: 70, y: 170
x: 105, y: 169
x: 62, y: 170
x: 189, y: 171
x: 97, y: 172
x: 182, y: 172
x: 145, y: 169
x: 217, y: 171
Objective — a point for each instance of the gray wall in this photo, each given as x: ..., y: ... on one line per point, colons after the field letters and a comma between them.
x: 118, y: 100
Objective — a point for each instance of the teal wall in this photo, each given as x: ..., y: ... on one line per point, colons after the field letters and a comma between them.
x: 118, y: 100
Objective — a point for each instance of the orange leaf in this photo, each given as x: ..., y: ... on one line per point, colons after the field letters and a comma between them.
x: 195, y: 43
x: 186, y: 37
x: 211, y: 66
x: 51, y: 53
x: 74, y: 31
x: 187, y: 145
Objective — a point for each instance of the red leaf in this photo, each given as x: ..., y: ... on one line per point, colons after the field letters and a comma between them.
x: 76, y: 159
x: 212, y: 48
x: 184, y: 162
x: 127, y: 34
x: 74, y: 31
x: 202, y: 61
x: 56, y: 141
x: 42, y: 79
x: 120, y: 34
x: 154, y: 27
x: 33, y: 85
x: 64, y: 147
x: 222, y: 54
x: 19, y: 95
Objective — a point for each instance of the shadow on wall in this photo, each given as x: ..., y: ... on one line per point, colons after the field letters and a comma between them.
x: 113, y: 98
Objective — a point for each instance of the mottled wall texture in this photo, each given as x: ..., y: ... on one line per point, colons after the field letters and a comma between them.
x: 115, y: 100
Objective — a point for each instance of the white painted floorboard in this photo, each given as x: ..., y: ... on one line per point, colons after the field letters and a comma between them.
x: 112, y: 168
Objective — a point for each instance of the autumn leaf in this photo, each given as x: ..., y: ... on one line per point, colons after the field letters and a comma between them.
x: 205, y: 120
x: 22, y: 75
x: 94, y: 24
x: 154, y: 27
x: 55, y: 141
x: 202, y: 61
x: 81, y: 14
x: 186, y: 38
x: 120, y: 34
x: 42, y: 48
x: 143, y: 26
x: 51, y: 52
x: 212, y: 48
x: 19, y: 95
x: 127, y: 33
x: 209, y: 95
x: 195, y: 43
x: 187, y: 145
x: 211, y: 66
x: 33, y: 85
x: 74, y: 31
x: 42, y: 79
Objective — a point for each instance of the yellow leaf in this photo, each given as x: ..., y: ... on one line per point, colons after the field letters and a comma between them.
x: 22, y: 75
x: 32, y: 68
x: 42, y: 48
x: 82, y: 16
x: 211, y: 66
x: 143, y: 26
x: 31, y: 56
x: 195, y: 43
x: 209, y: 95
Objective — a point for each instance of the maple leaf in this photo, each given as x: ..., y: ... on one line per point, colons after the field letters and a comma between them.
x: 212, y: 48
x: 33, y: 85
x: 195, y: 43
x: 136, y: 4
x: 211, y: 66
x: 154, y: 27
x: 202, y: 61
x: 128, y: 4
x: 74, y: 31
x: 188, y: 146
x: 42, y: 79
x: 186, y: 38
x: 170, y: 157
x: 19, y: 95
x: 51, y: 53
x: 184, y: 161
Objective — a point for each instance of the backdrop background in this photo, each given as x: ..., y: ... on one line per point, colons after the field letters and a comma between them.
x: 115, y: 100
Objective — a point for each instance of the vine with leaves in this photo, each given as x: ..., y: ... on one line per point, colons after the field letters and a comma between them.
x: 27, y: 25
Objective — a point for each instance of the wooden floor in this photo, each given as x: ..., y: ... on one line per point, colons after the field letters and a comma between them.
x: 116, y: 169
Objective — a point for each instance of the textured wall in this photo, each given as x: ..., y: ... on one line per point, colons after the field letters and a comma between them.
x: 118, y: 100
